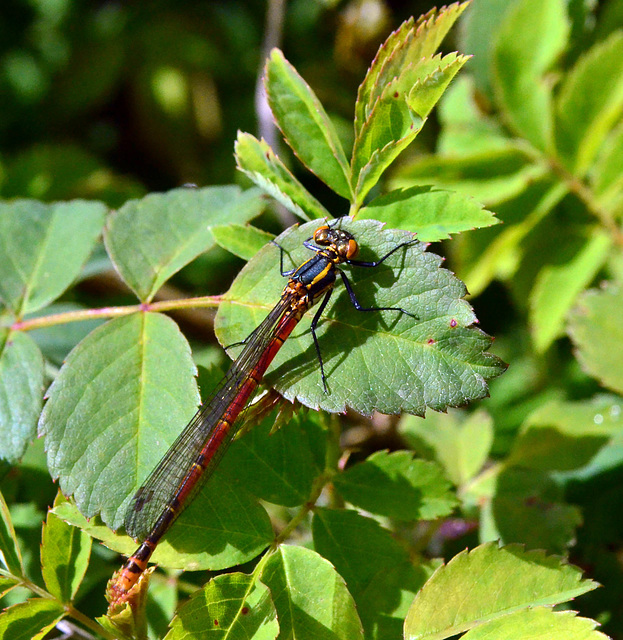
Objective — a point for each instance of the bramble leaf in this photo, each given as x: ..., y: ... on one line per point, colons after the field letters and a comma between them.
x: 65, y: 552
x: 258, y: 161
x: 459, y: 442
x: 30, y: 620
x: 590, y: 102
x: 560, y: 436
x: 411, y: 42
x: 397, y: 117
x: 229, y: 606
x: 433, y: 214
x: 242, y: 241
x: 540, y: 623
x: 222, y: 527
x: 384, y: 361
x: 149, y: 240
x: 305, y: 124
x: 378, y: 571
x: 557, y: 287
x: 595, y: 329
x: 21, y: 392
x: 310, y: 597
x: 42, y: 249
x: 122, y: 395
x: 397, y: 486
x: 10, y: 554
x: 521, y: 58
x: 486, y: 583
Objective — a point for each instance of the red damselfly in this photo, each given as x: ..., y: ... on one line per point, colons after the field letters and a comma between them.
x: 198, y: 449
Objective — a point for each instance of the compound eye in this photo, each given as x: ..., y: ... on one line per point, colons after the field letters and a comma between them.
x: 351, y: 249
x: 321, y: 234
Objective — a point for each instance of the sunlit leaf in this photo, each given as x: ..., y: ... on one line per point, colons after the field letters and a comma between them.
x: 411, y: 42
x: 590, y: 102
x: 566, y: 435
x: 30, y: 620
x: 384, y: 361
x: 305, y: 124
x: 459, y: 442
x: 433, y: 214
x: 397, y: 117
x: 119, y: 400
x: 43, y: 247
x: 595, y: 328
x: 539, y: 623
x: 258, y: 161
x: 486, y: 583
x: 233, y: 606
x: 65, y: 552
x: 310, y: 597
x: 242, y: 241
x: 151, y: 239
x: 521, y: 58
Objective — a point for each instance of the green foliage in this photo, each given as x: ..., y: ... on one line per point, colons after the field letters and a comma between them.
x: 310, y: 527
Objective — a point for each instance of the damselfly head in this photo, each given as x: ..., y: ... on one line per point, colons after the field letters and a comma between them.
x: 342, y: 242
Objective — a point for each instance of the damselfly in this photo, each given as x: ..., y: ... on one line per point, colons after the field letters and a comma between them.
x: 197, y: 451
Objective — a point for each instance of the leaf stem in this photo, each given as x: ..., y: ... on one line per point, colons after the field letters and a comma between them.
x: 114, y: 312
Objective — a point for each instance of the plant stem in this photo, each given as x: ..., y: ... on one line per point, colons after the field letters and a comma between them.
x: 114, y: 312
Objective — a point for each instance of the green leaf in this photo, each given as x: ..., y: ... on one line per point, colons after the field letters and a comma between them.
x: 42, y: 249
x: 487, y: 583
x: 7, y: 585
x: 596, y: 332
x: 527, y: 507
x: 605, y: 175
x: 121, y: 397
x: 310, y: 597
x: 382, y: 361
x: 30, y: 620
x: 397, y: 486
x: 10, y: 554
x: 537, y: 624
x: 242, y: 241
x: 503, y: 256
x: 21, y: 393
x: 305, y: 124
x: 151, y: 239
x: 566, y: 435
x: 433, y: 214
x: 465, y: 127
x: 590, y: 102
x: 557, y: 287
x: 65, y: 553
x: 533, y: 34
x: 378, y: 571
x: 233, y: 606
x: 491, y: 176
x: 278, y: 467
x: 459, y: 442
x: 397, y: 117
x: 222, y: 527
x: 483, y: 19
x: 257, y: 160
x: 411, y: 42
x: 426, y: 91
